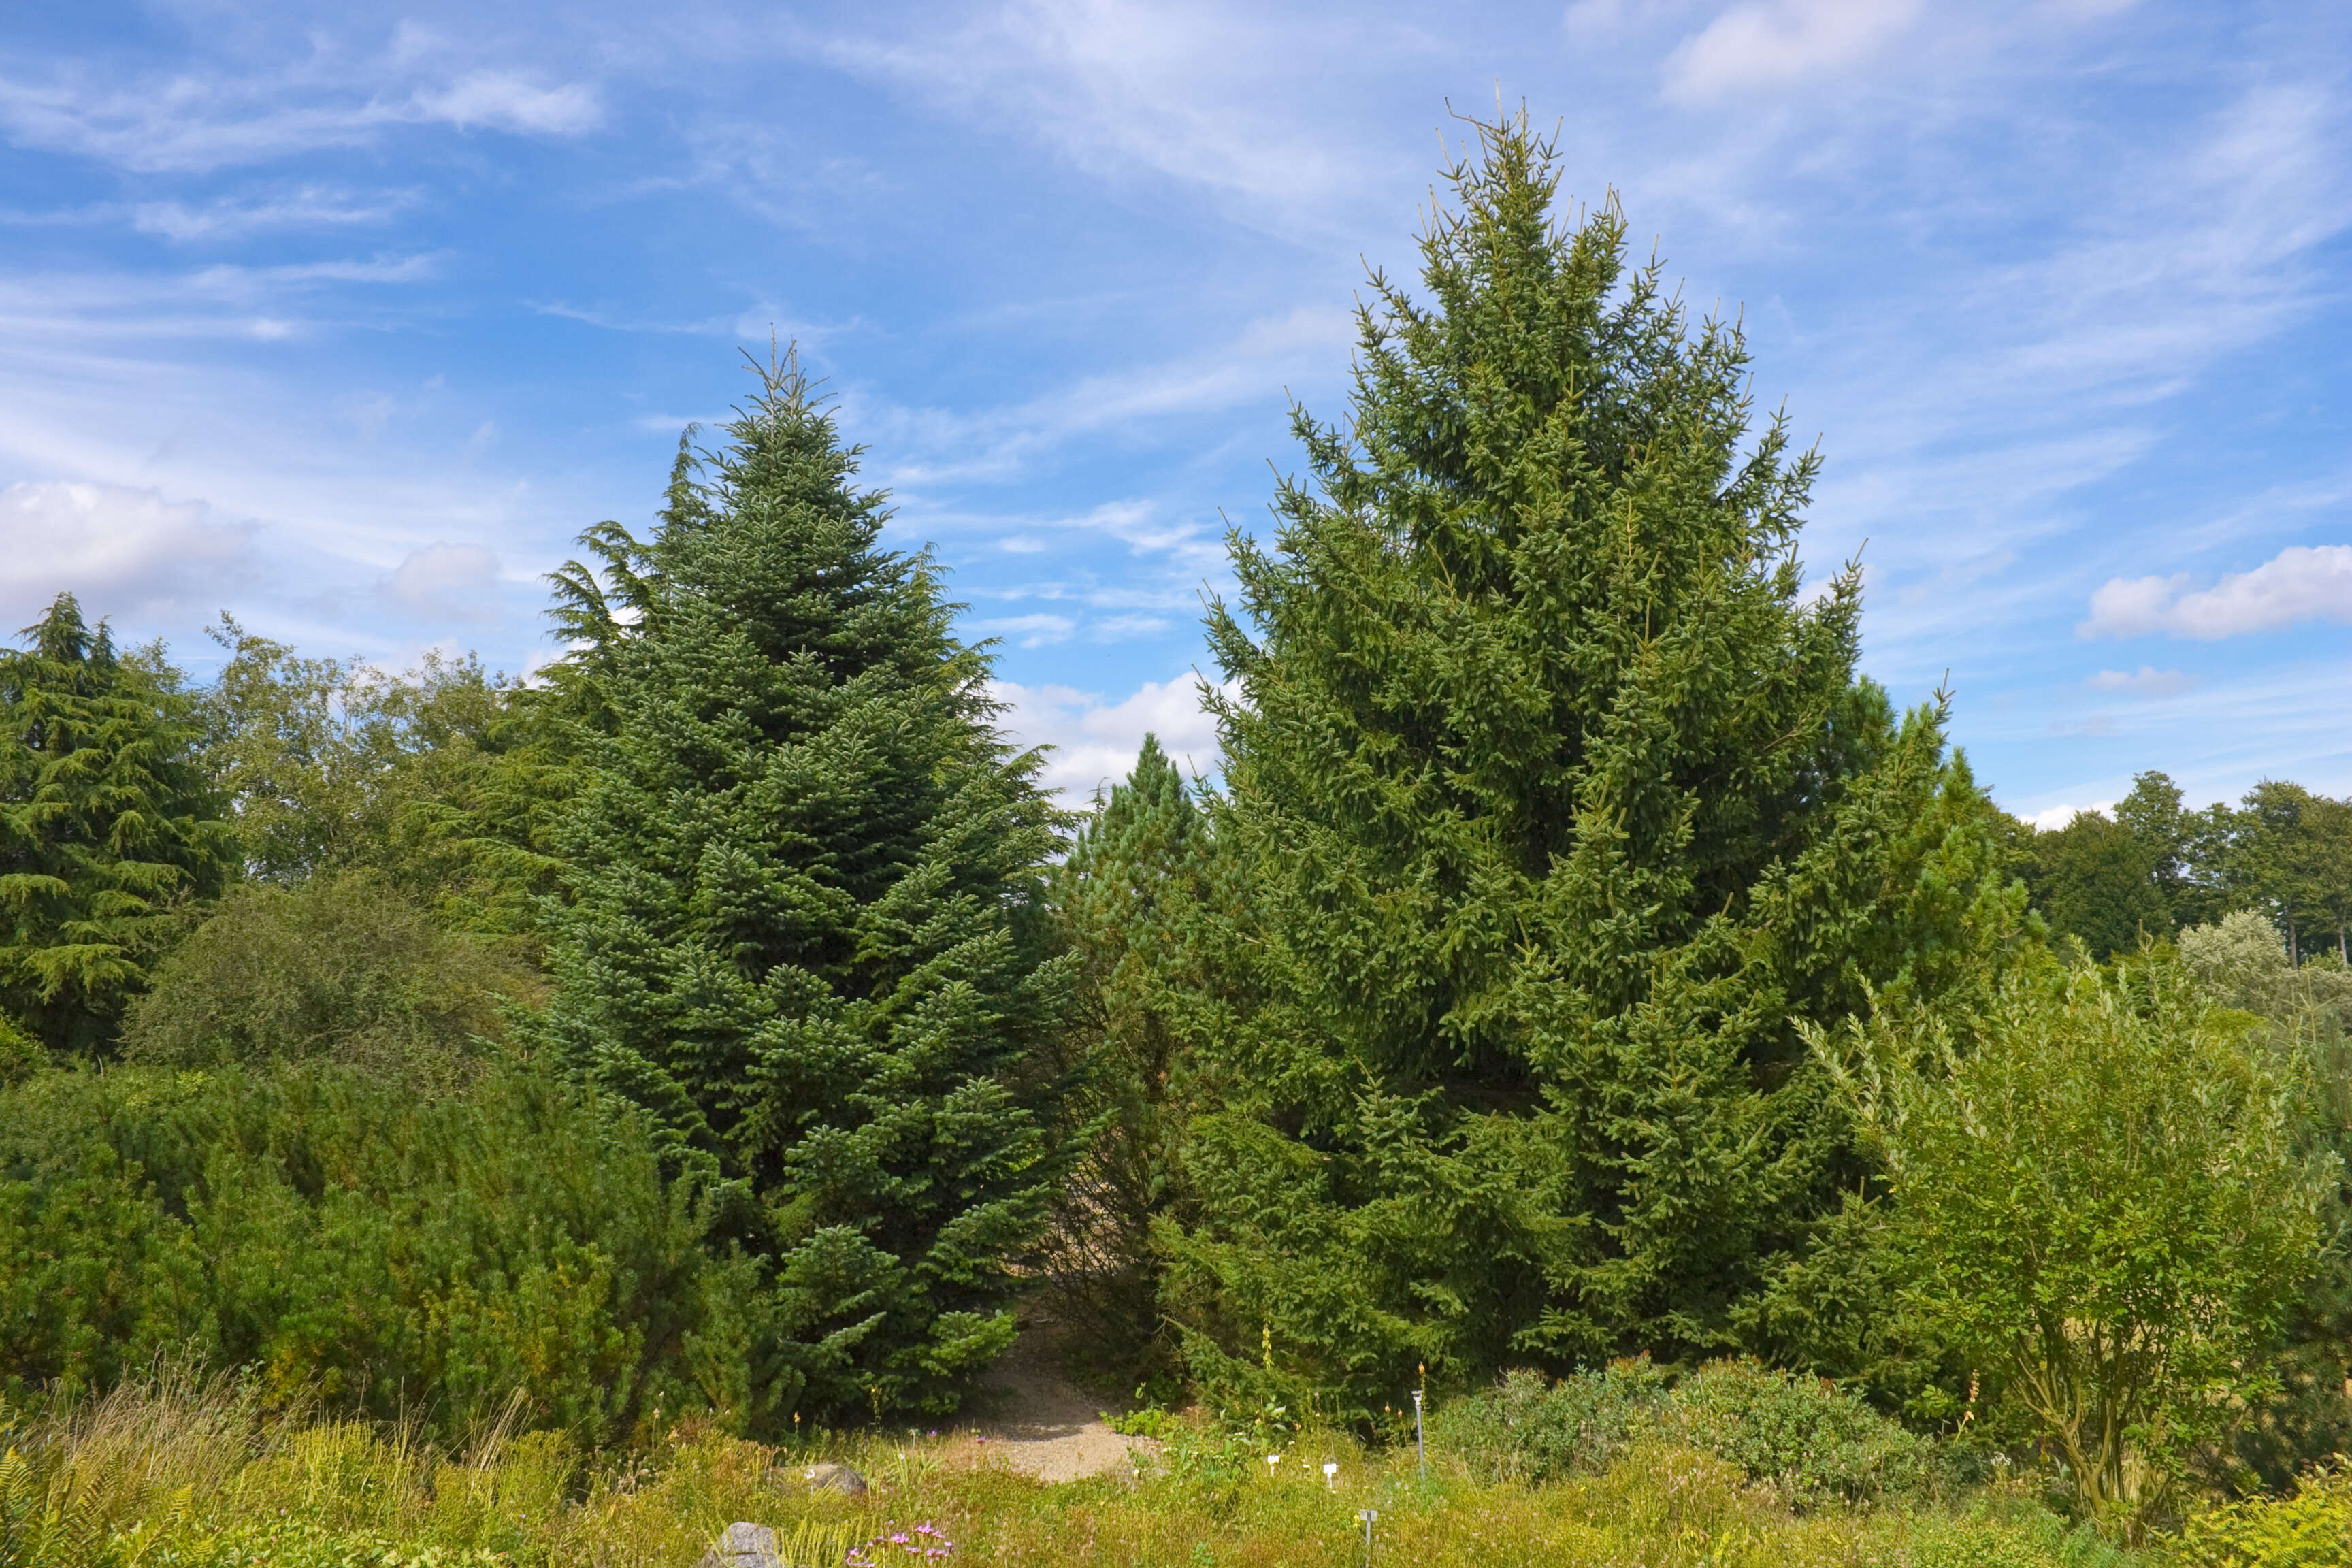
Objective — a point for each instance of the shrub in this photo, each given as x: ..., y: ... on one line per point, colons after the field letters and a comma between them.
x: 1526, y: 1429
x: 1810, y: 1441
x: 2311, y: 1529
x: 346, y: 968
x: 396, y: 1253
x: 2101, y: 1205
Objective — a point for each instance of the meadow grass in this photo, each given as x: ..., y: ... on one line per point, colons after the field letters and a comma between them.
x: 188, y: 1473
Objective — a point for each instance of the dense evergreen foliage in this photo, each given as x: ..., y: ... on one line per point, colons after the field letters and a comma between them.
x: 804, y: 932
x: 108, y: 829
x: 1140, y: 870
x: 1560, y: 806
x: 353, y: 1239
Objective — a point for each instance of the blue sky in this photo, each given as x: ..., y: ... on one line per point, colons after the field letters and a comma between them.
x: 349, y: 319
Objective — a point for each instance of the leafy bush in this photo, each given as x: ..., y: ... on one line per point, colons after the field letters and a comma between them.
x: 2311, y: 1529
x: 20, y: 1055
x: 1811, y: 1441
x: 344, y: 967
x: 349, y: 1238
x: 2102, y: 1206
x: 2012, y: 1538
x: 1527, y: 1429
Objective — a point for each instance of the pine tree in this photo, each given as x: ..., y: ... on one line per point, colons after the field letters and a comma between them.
x: 106, y: 826
x: 1558, y: 804
x: 806, y: 930
x: 1124, y: 898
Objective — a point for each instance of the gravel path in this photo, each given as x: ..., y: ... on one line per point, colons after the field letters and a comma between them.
x: 1033, y: 1418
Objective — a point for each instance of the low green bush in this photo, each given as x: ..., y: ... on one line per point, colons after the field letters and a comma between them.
x: 1810, y: 1441
x: 1805, y: 1437
x: 2311, y: 1529
x: 1529, y: 1429
x: 355, y: 1239
x: 345, y: 968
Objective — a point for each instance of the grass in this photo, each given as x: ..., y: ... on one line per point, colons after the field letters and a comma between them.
x: 183, y: 1473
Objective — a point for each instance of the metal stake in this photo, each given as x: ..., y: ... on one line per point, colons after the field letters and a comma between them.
x: 1368, y: 1515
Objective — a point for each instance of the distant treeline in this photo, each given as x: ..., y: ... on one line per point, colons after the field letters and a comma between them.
x: 2154, y: 865
x: 1579, y: 959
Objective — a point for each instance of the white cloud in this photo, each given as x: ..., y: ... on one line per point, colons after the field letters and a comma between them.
x: 1251, y: 367
x: 1783, y: 42
x: 1206, y: 94
x: 2301, y: 583
x: 1029, y: 631
x: 448, y: 583
x: 123, y: 552
x: 505, y: 100
x: 308, y: 208
x: 1117, y: 628
x: 1094, y: 741
x: 197, y: 121
x: 2149, y: 682
x: 2057, y: 817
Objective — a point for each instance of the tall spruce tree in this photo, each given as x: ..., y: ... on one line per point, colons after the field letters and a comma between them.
x: 107, y: 826
x: 1558, y: 804
x: 806, y: 931
x: 1124, y: 898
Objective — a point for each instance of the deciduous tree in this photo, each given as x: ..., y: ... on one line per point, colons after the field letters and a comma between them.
x: 2104, y: 1208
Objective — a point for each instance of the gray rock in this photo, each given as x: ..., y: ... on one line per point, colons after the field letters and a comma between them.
x: 834, y: 1478
x: 743, y: 1546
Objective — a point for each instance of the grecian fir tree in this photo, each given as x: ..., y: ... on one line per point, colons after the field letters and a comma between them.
x: 1130, y: 888
x: 806, y: 931
x: 108, y: 829
x: 1559, y: 805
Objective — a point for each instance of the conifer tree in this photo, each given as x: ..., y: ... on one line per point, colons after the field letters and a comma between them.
x: 1559, y: 804
x: 106, y: 826
x: 806, y: 933
x: 1124, y: 898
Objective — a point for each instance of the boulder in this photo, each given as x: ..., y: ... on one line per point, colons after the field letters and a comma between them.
x: 829, y: 1477
x: 743, y: 1545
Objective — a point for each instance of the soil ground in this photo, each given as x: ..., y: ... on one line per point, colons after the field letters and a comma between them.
x: 1031, y: 1417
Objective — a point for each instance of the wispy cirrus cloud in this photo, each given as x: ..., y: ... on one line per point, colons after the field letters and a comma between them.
x: 231, y: 217
x: 2145, y: 681
x: 224, y: 301
x: 934, y: 446
x: 194, y: 122
x: 1783, y: 43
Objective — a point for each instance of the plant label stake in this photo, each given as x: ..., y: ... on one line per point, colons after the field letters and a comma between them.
x: 1330, y: 1474
x: 1368, y: 1515
x: 1420, y: 1443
